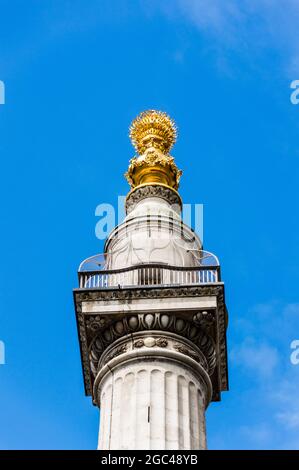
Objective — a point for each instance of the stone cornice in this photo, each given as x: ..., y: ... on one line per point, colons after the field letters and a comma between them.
x: 219, y: 378
x: 144, y: 292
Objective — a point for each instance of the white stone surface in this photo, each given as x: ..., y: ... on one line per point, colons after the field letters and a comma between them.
x: 147, y: 305
x: 156, y: 404
x: 152, y: 233
x: 154, y: 206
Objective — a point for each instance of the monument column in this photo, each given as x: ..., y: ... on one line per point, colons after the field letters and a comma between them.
x: 151, y: 312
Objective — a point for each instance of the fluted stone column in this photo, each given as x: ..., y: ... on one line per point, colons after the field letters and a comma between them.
x: 152, y: 396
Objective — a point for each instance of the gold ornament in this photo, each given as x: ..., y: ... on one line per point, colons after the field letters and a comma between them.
x: 153, y: 134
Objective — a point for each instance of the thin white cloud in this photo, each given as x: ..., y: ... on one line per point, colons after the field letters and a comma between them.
x: 271, y: 321
x: 265, y: 358
x: 250, y: 27
x: 214, y: 16
x: 260, y: 359
x: 260, y: 434
x: 284, y: 397
x: 289, y: 418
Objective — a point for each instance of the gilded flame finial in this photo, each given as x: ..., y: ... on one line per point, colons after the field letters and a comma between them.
x: 153, y: 133
x: 153, y: 129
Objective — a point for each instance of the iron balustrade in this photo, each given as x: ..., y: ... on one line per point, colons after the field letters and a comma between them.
x: 149, y: 275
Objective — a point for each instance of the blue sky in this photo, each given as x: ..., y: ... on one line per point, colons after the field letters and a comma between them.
x: 76, y: 73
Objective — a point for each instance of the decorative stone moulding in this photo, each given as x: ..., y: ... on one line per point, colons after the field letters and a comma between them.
x: 203, y: 327
x: 158, y: 341
x: 128, y: 326
x: 153, y: 190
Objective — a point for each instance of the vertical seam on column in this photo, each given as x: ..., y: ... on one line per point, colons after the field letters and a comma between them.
x: 190, y: 415
x: 149, y: 424
x: 165, y: 412
x: 100, y: 440
x: 178, y: 411
x: 134, y: 406
x: 111, y: 409
x: 149, y: 385
x: 164, y: 392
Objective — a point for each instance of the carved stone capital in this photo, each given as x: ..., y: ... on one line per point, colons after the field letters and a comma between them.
x: 156, y: 341
x: 204, y: 326
x: 152, y: 327
x: 152, y: 346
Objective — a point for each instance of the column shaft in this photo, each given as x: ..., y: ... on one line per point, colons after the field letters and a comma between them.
x: 158, y: 404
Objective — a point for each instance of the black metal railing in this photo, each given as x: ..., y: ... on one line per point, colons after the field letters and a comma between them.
x: 149, y: 275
